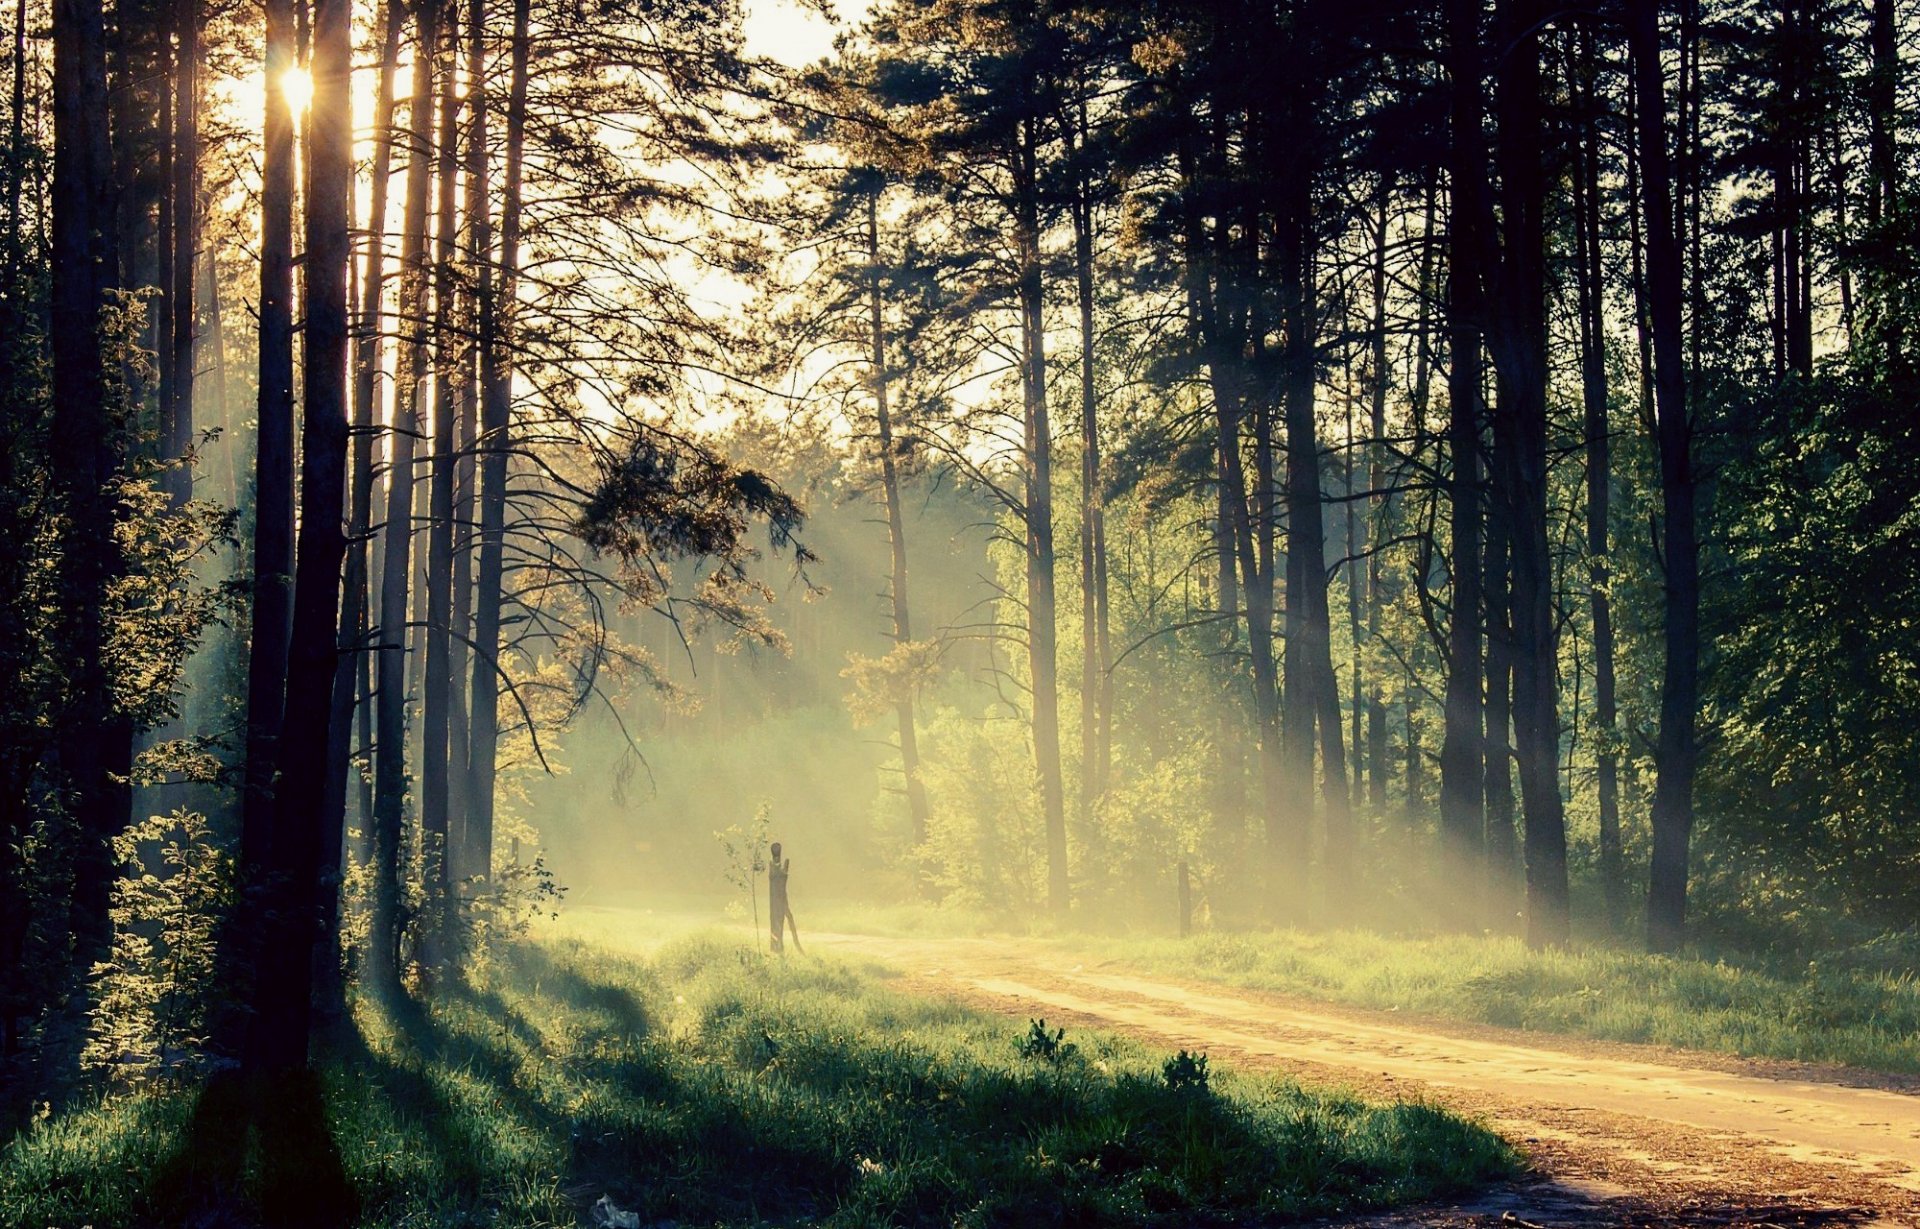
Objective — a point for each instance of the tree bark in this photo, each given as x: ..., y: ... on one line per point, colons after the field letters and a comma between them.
x: 438, y: 699
x: 498, y: 314
x: 1042, y: 610
x: 283, y: 1018
x: 896, y: 522
x: 1520, y: 351
x: 390, y: 766
x: 1590, y: 284
x: 1464, y: 753
x: 272, y: 617
x: 184, y: 202
x: 1094, y: 718
x: 1675, y: 752
x: 83, y: 457
x: 351, y: 677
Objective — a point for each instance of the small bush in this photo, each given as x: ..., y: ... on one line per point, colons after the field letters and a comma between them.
x: 1186, y: 1073
x: 1042, y: 1046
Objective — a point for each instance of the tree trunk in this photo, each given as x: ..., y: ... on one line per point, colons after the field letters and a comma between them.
x: 437, y: 683
x: 498, y: 304
x: 390, y: 766
x: 1590, y: 283
x: 478, y: 261
x: 83, y: 457
x: 185, y: 201
x: 352, y: 675
x: 1464, y: 753
x: 1093, y: 664
x: 1042, y: 611
x: 1675, y: 752
x: 1521, y: 353
x: 273, y: 459
x: 896, y: 523
x: 283, y: 1018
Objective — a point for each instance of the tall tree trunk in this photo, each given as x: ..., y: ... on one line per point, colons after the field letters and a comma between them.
x: 1093, y: 665
x: 16, y: 159
x: 352, y: 676
x: 1590, y: 284
x: 1369, y: 741
x: 185, y: 202
x: 1675, y: 752
x: 1464, y: 754
x: 84, y: 456
x: 477, y: 257
x: 1521, y: 353
x: 896, y: 522
x: 1042, y: 610
x: 390, y: 763
x: 1313, y: 690
x: 272, y: 617
x: 498, y: 315
x: 283, y: 1017
x: 437, y: 716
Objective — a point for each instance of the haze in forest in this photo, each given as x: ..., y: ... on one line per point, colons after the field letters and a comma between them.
x: 1427, y: 489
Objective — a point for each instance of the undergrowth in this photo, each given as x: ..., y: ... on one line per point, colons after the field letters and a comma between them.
x: 707, y: 1085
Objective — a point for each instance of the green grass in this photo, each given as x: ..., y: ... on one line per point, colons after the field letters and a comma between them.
x: 705, y: 1085
x: 1862, y: 1013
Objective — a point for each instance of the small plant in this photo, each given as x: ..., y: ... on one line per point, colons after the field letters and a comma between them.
x: 1048, y: 1047
x: 1186, y: 1073
x: 746, y: 853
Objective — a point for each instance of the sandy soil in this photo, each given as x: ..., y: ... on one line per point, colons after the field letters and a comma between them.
x: 1615, y: 1134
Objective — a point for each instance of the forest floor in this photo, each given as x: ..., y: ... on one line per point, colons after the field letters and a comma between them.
x: 686, y: 1080
x: 1615, y: 1133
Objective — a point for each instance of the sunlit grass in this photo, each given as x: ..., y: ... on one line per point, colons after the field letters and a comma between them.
x: 707, y: 1085
x: 1860, y: 1016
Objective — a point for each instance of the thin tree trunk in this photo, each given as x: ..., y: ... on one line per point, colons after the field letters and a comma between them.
x: 1042, y: 629
x: 1590, y: 279
x: 1370, y: 719
x: 498, y: 314
x: 283, y: 1019
x: 896, y: 522
x: 436, y: 718
x: 390, y: 691
x: 1464, y: 751
x: 186, y: 239
x: 1093, y: 669
x: 352, y: 679
x: 477, y: 258
x: 1675, y: 752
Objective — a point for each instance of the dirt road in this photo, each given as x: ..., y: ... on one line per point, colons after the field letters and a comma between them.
x: 1616, y: 1134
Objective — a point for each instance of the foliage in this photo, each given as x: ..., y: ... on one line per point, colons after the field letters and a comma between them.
x: 1186, y: 1073
x: 158, y: 993
x: 1038, y: 1045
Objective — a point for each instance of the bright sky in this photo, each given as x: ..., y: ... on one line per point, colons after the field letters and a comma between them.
x: 794, y: 34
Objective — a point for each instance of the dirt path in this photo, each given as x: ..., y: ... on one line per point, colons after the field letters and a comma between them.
x: 1617, y: 1134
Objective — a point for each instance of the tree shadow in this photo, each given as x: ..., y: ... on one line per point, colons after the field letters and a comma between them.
x: 257, y: 1154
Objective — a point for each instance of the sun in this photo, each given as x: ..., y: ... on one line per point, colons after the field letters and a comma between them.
x: 296, y: 84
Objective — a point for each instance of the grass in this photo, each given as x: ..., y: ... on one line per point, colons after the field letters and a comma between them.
x: 1862, y: 1013
x: 1857, y: 1007
x: 704, y: 1085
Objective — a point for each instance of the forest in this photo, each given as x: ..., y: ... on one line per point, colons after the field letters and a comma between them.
x: 1400, y: 504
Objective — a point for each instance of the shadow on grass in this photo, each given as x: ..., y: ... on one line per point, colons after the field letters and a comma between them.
x: 257, y: 1155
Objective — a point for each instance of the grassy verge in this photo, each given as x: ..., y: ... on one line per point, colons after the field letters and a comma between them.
x: 1865, y: 1014
x: 703, y: 1085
